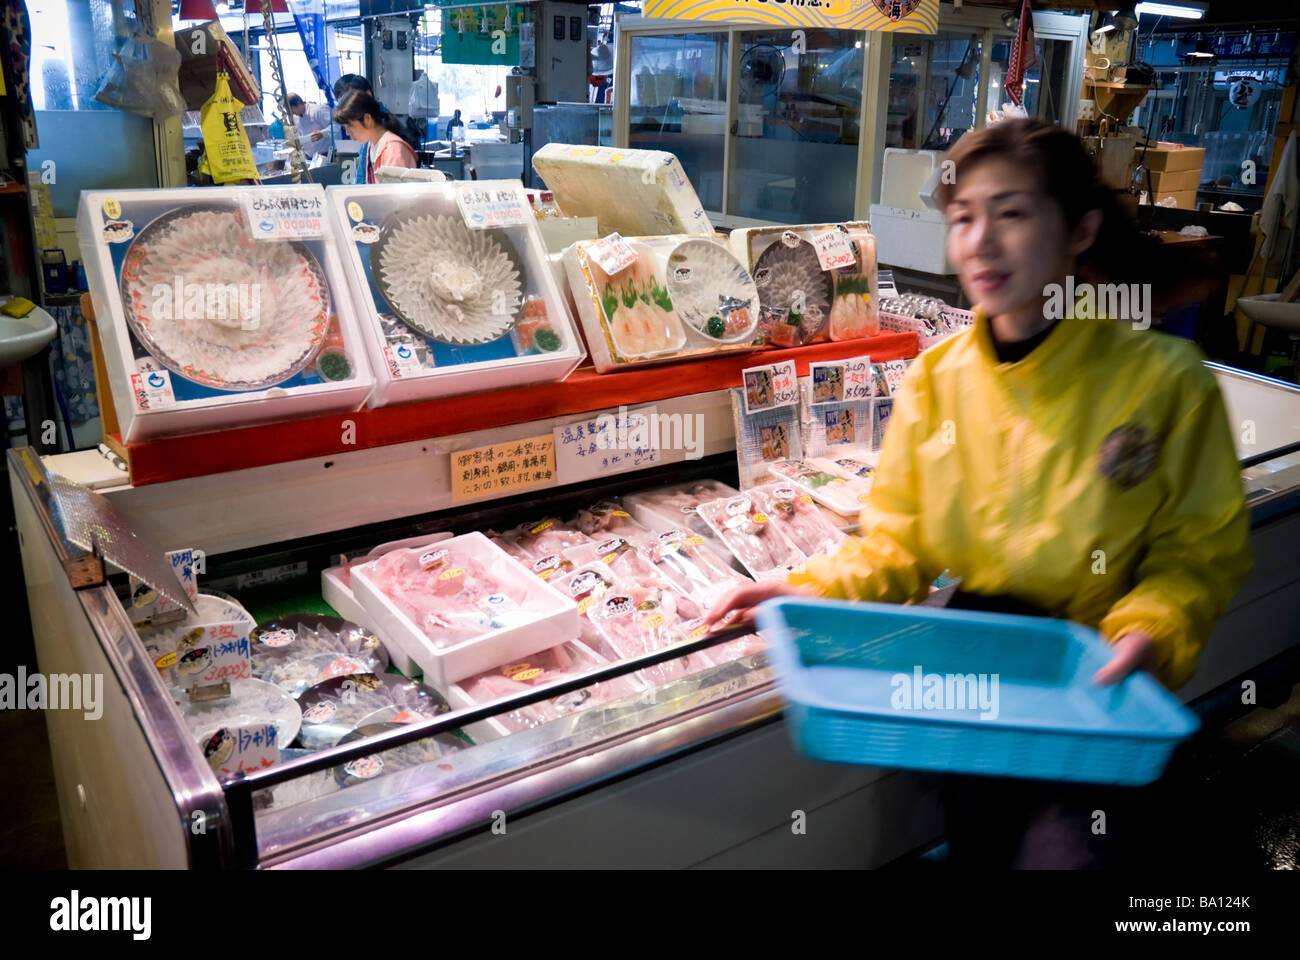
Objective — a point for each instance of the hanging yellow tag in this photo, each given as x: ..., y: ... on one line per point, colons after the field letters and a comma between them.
x: 226, y: 149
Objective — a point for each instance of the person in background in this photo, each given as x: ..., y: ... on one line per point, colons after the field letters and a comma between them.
x: 367, y: 122
x: 342, y: 87
x: 313, y: 125
x: 453, y: 123
x: 1061, y: 466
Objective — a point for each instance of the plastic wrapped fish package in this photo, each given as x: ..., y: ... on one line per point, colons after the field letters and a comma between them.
x: 745, y: 646
x: 606, y: 518
x: 298, y: 650
x: 635, y: 618
x: 622, y: 558
x: 750, y: 535
x: 450, y: 596
x: 335, y: 707
x: 797, y: 516
x: 538, y: 670
x: 842, y: 495
x: 682, y: 558
x: 439, y: 747
x: 677, y: 505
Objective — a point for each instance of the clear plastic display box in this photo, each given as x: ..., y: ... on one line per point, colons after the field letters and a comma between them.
x: 220, y: 307
x: 451, y: 305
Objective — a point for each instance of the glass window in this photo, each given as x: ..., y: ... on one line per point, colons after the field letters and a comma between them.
x: 678, y: 102
x: 795, y: 152
x: 1045, y: 82
x: 933, y: 90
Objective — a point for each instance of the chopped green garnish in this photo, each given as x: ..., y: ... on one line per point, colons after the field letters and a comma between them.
x: 547, y: 340
x: 630, y: 296
x: 334, y: 366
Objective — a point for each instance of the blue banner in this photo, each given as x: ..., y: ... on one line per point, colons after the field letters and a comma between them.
x: 309, y: 17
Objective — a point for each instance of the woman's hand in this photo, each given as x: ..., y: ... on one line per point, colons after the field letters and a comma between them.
x: 1133, y: 651
x: 741, y: 601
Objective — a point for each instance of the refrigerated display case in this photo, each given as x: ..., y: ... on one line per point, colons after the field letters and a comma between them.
x: 697, y: 771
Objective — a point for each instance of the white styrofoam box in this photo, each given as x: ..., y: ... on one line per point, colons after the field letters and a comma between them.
x: 587, y: 282
x: 903, y: 174
x: 107, y: 223
x: 637, y: 193
x: 556, y: 621
x: 336, y: 590
x: 912, y: 239
x: 407, y: 364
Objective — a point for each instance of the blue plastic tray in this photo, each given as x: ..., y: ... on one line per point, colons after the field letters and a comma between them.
x: 850, y: 672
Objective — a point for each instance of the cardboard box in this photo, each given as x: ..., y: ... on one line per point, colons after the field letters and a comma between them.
x: 1172, y: 157
x: 1183, y: 199
x: 1175, y: 181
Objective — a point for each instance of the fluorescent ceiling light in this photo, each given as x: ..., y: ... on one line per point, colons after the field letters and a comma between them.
x: 1187, y: 11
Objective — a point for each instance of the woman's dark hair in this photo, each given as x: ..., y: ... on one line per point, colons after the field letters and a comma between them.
x: 349, y: 82
x: 357, y: 104
x: 1121, y: 253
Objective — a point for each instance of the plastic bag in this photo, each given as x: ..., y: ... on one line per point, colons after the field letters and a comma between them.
x: 144, y: 79
x: 423, y: 101
x: 226, y: 151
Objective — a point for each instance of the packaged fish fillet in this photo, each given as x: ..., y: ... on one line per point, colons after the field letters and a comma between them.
x: 748, y: 532
x: 681, y: 557
x: 549, y: 666
x: 678, y: 505
x: 546, y: 537
x: 841, y: 495
x: 450, y: 595
x: 850, y: 468
x: 724, y: 652
x: 606, y: 518
x: 633, y: 619
x: 620, y: 556
x: 299, y: 636
x: 585, y: 587
x: 333, y: 708
x: 797, y: 516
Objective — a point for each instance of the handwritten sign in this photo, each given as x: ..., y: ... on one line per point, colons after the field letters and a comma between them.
x: 503, y: 468
x: 612, y: 254
x: 284, y: 214
x: 769, y: 387
x: 894, y: 371
x: 612, y: 443
x: 833, y: 249
x: 484, y: 208
x: 231, y: 750
x: 213, y: 653
x: 841, y: 381
x: 147, y: 603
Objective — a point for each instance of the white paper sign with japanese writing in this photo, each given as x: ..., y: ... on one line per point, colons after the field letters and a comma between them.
x: 840, y: 381
x: 833, y: 249
x: 894, y: 371
x: 213, y: 653
x: 769, y: 387
x: 284, y: 214
x: 147, y: 603
x: 613, y: 254
x: 231, y: 750
x: 613, y: 443
x: 487, y: 207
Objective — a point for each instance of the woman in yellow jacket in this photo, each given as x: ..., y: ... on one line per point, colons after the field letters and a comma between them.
x: 1060, y: 465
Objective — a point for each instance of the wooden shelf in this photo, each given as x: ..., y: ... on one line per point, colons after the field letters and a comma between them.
x: 199, y: 455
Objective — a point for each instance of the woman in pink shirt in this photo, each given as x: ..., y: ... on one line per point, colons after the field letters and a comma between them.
x: 365, y: 121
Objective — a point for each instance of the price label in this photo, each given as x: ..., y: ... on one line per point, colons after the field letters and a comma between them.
x: 284, y: 214
x: 894, y: 371
x: 485, y: 208
x: 401, y: 360
x: 151, y: 387
x: 612, y: 254
x: 213, y: 653
x: 834, y: 251
x: 230, y: 750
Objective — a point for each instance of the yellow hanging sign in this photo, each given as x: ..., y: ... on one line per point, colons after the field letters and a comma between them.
x: 226, y: 152
x: 897, y: 16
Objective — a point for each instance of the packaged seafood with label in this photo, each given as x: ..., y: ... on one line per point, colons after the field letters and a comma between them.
x: 633, y: 619
x: 797, y: 515
x: 683, y: 559
x: 750, y: 535
x: 840, y: 494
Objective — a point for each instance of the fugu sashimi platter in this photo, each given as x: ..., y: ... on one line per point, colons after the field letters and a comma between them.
x: 683, y: 297
x: 815, y: 281
x: 220, y: 308
x: 453, y: 287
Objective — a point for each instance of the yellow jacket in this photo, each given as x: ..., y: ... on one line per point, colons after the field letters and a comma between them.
x: 1095, y: 479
